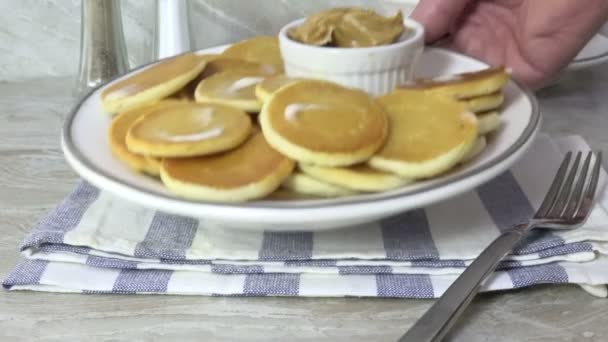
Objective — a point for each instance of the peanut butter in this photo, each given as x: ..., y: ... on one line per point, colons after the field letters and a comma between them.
x: 349, y: 28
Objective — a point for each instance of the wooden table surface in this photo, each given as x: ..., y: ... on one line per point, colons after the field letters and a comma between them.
x: 34, y: 177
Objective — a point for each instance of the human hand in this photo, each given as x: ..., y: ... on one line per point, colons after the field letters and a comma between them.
x: 535, y: 39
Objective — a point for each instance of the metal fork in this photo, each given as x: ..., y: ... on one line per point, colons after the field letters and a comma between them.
x: 566, y: 206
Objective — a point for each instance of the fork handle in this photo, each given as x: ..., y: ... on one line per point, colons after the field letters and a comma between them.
x: 437, y: 321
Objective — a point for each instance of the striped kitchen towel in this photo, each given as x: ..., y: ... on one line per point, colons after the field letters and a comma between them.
x: 96, y: 243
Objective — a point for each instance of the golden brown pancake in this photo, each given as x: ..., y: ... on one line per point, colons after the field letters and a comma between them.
x: 302, y: 183
x: 359, y: 177
x: 222, y: 64
x: 321, y: 123
x: 232, y: 88
x: 152, y: 84
x: 429, y: 134
x: 187, y: 92
x: 117, y: 135
x: 484, y: 103
x: 188, y: 129
x: 271, y: 84
x: 488, y: 122
x: 209, y: 57
x: 476, y: 150
x: 251, y: 171
x: 155, y: 163
x: 464, y: 85
x: 262, y: 49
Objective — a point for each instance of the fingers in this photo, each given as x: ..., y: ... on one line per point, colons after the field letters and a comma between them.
x: 437, y: 16
x: 496, y: 49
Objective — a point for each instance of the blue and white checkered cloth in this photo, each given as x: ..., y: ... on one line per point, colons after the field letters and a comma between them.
x: 95, y: 243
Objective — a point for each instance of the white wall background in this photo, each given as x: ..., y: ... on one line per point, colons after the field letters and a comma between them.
x: 41, y: 38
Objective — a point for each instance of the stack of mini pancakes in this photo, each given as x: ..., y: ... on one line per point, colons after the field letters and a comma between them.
x: 232, y: 128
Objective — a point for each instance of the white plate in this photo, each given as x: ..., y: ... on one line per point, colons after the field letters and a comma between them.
x: 85, y: 145
x: 594, y: 53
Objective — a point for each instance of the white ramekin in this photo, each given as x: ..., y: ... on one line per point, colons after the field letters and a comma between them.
x: 376, y: 70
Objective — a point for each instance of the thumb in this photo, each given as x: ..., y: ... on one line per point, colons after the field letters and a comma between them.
x: 438, y: 16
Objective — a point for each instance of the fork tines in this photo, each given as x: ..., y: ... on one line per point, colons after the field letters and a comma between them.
x: 573, y: 189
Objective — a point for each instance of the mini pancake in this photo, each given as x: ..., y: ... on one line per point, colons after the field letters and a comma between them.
x: 465, y: 85
x: 188, y: 129
x: 322, y: 123
x: 187, y: 92
x: 231, y: 88
x: 251, y: 171
x: 117, y: 135
x: 304, y: 184
x: 488, y: 122
x: 155, y: 163
x: 485, y: 103
x: 477, y: 149
x: 262, y: 49
x: 209, y: 57
x: 222, y: 64
x: 359, y: 177
x: 152, y: 84
x: 429, y: 134
x: 270, y: 85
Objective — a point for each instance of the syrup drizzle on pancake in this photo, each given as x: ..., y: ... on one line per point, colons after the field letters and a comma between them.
x: 447, y: 78
x: 204, y: 117
x: 292, y: 110
x: 244, y: 83
x: 207, y: 134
